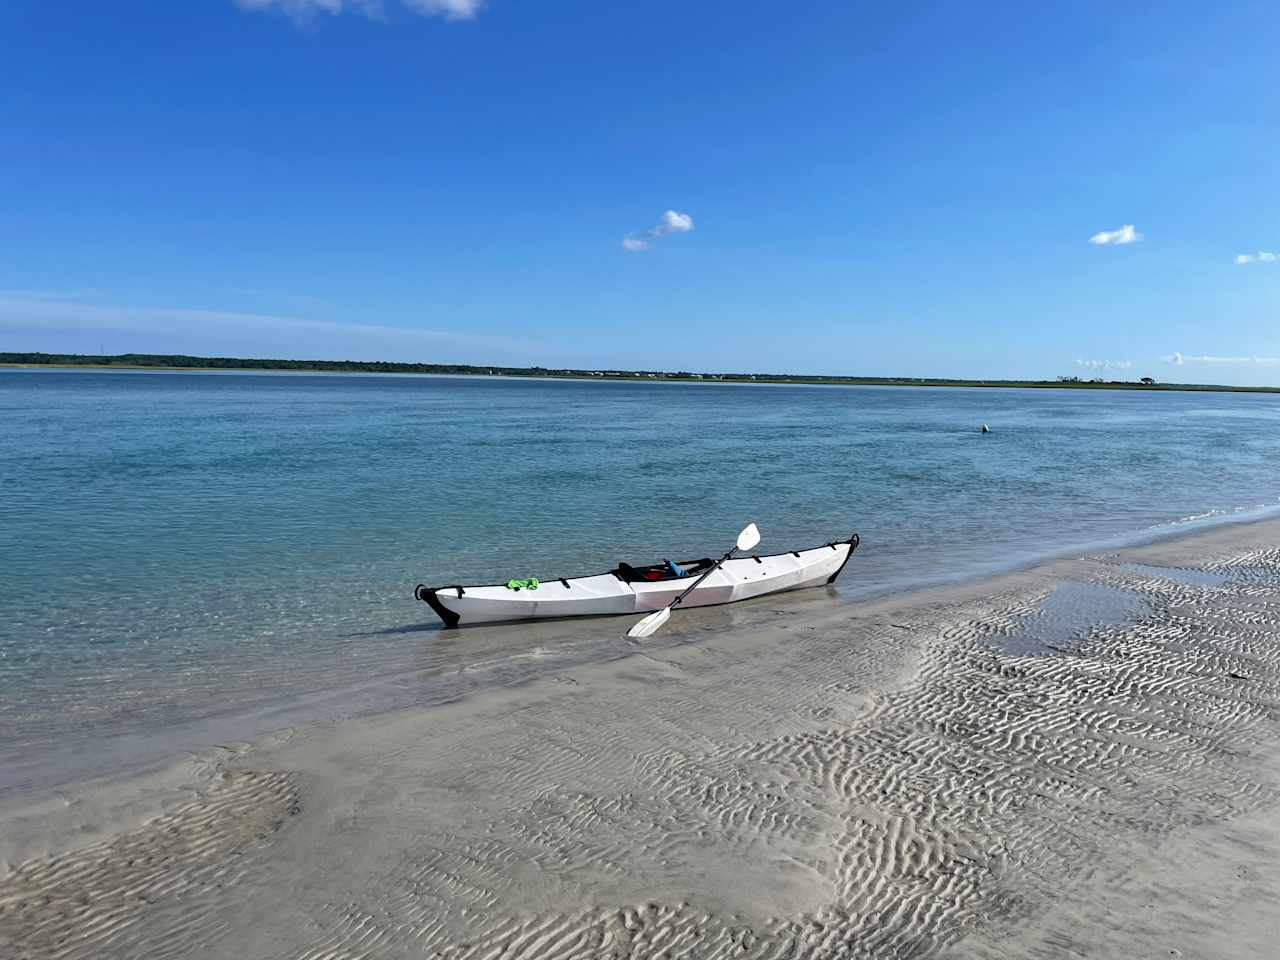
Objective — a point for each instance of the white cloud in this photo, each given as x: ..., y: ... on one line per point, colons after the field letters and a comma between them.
x: 305, y: 10
x: 1104, y: 364
x: 65, y: 326
x: 1116, y: 238
x: 1262, y: 256
x: 1178, y: 359
x: 449, y: 9
x: 671, y: 222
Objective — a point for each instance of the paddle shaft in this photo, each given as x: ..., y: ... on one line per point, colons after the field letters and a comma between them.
x: 693, y: 586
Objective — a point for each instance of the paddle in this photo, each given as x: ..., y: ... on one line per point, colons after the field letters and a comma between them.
x: 747, y: 539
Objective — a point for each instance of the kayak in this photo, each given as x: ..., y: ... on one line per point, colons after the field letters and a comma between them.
x: 627, y: 589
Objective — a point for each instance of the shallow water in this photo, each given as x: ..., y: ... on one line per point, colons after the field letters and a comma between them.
x: 179, y: 546
x: 1063, y: 619
x: 1189, y: 576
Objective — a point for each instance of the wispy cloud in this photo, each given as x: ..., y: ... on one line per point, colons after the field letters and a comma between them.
x: 1103, y: 364
x: 1178, y: 359
x: 304, y: 11
x: 1262, y: 256
x: 1116, y: 238
x: 69, y: 326
x: 671, y: 222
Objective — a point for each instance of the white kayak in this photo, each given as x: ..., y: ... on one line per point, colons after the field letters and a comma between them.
x: 628, y: 589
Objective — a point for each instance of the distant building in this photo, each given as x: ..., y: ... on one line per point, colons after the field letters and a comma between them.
x: 1148, y: 380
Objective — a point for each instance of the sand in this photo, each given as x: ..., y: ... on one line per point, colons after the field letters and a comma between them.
x: 1078, y: 760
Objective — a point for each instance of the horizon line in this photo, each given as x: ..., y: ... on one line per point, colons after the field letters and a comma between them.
x: 173, y: 361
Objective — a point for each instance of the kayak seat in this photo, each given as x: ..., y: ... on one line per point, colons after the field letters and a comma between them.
x: 657, y: 572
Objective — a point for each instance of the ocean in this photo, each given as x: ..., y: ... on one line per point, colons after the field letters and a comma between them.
x: 190, y: 556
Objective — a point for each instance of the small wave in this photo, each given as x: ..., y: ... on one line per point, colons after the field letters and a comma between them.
x: 1212, y: 514
x: 1192, y: 518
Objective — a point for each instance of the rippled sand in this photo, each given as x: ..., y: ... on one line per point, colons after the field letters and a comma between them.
x: 1079, y: 760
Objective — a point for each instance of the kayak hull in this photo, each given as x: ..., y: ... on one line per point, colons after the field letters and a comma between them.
x: 609, y: 594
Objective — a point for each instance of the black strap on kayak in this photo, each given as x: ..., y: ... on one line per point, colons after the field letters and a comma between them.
x: 565, y: 583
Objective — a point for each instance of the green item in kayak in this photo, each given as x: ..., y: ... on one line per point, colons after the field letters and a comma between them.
x: 530, y: 584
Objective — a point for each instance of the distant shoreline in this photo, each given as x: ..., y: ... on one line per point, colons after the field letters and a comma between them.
x: 180, y: 363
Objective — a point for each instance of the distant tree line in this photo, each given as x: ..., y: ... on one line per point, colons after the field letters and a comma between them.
x: 170, y: 361
x: 180, y: 361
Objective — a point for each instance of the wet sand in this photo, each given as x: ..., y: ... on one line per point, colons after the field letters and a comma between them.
x: 1078, y: 760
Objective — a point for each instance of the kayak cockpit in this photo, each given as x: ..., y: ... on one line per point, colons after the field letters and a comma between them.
x: 666, y: 570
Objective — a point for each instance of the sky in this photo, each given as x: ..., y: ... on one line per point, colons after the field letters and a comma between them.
x: 929, y: 189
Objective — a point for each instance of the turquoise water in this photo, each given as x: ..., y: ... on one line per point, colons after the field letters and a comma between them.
x: 178, y: 546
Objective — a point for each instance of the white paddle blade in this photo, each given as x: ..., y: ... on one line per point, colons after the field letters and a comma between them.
x: 748, y: 538
x: 649, y: 624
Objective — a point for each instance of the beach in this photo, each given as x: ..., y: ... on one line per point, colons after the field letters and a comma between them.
x: 1076, y: 759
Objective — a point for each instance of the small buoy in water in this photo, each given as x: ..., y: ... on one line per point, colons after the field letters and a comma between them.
x: 985, y: 428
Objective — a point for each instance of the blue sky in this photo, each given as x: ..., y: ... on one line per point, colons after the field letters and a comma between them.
x: 829, y: 187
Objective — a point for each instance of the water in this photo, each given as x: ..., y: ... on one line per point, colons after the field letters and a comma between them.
x: 178, y: 547
x: 1063, y: 619
x: 1188, y: 576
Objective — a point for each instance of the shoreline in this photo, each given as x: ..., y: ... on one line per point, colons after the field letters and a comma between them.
x: 977, y: 768
x: 142, y: 752
x: 699, y: 379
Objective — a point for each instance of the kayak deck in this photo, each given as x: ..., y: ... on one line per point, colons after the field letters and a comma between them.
x: 629, y: 589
